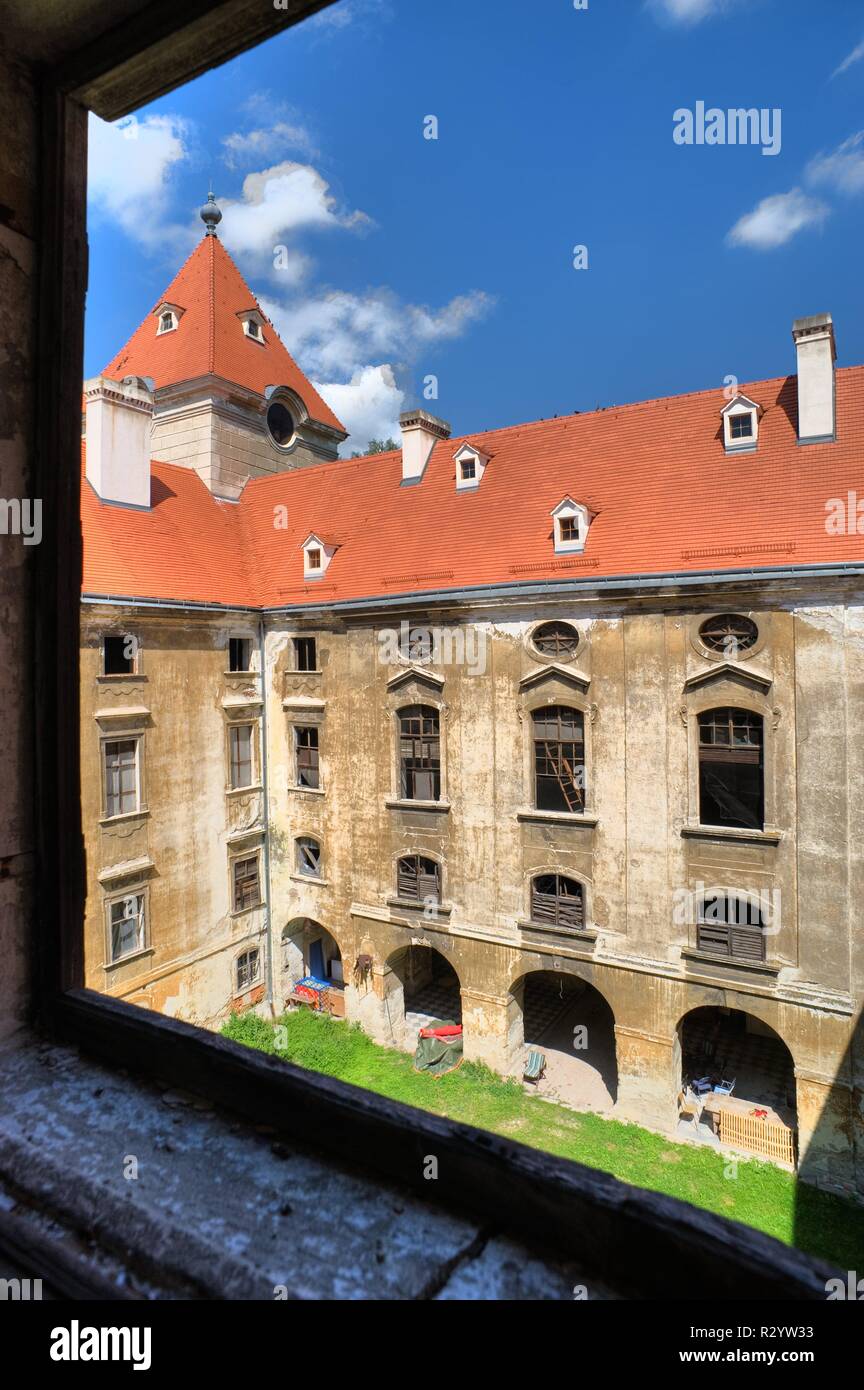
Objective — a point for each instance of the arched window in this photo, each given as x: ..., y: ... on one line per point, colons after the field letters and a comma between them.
x: 731, y: 925
x: 419, y: 753
x: 557, y: 901
x: 418, y: 879
x: 308, y: 856
x: 556, y: 639
x: 559, y: 759
x: 731, y: 772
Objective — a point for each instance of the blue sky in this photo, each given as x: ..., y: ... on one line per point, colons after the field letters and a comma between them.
x: 406, y: 257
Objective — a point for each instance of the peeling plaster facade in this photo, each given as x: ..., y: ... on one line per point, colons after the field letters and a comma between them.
x: 641, y: 677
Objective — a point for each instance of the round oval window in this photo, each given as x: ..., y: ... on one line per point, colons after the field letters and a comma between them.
x: 280, y: 423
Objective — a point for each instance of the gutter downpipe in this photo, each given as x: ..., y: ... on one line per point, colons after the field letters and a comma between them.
x: 265, y: 783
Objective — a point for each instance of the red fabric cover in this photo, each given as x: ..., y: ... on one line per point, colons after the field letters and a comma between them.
x: 447, y: 1030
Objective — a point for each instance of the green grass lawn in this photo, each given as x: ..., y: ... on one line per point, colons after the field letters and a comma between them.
x: 761, y: 1195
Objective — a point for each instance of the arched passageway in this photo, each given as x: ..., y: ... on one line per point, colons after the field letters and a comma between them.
x: 310, y: 952
x: 741, y: 1075
x: 571, y: 1023
x: 420, y: 985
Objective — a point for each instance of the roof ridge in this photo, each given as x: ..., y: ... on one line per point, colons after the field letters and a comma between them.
x: 211, y: 326
x: 175, y: 277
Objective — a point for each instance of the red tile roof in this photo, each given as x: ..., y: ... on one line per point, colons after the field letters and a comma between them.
x: 210, y: 339
x: 666, y: 498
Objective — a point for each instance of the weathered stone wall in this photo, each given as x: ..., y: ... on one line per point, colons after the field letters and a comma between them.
x: 226, y: 442
x: 19, y: 179
x: 641, y: 677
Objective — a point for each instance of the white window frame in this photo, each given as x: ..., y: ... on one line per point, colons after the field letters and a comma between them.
x: 256, y: 978
x: 738, y: 406
x: 140, y: 893
x: 570, y: 510
x: 234, y: 727
x: 121, y: 736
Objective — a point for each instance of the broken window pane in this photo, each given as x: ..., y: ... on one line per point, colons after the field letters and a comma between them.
x: 731, y: 790
x: 559, y: 759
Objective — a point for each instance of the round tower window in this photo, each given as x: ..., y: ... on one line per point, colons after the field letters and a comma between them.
x: 280, y: 423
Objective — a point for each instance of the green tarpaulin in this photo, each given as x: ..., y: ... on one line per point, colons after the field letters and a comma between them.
x: 438, y: 1055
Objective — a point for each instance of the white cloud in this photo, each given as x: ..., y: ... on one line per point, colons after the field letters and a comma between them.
x: 686, y: 11
x: 368, y: 405
x: 266, y: 143
x: 854, y: 57
x: 776, y: 220
x: 129, y: 176
x: 345, y: 13
x: 276, y: 202
x: 337, y: 334
x: 843, y: 170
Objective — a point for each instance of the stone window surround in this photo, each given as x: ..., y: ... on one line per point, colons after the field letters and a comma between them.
x: 235, y: 721
x: 772, y: 964
x: 558, y: 693
x: 559, y: 660
x: 250, y: 847
x: 120, y: 735
x: 719, y: 695
x: 135, y: 887
x: 696, y: 621
x: 398, y: 701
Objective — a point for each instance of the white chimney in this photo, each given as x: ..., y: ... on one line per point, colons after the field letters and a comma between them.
x: 119, y: 416
x: 814, y: 341
x: 420, y: 433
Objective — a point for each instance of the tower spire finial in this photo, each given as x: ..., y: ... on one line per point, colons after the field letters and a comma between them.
x: 210, y: 214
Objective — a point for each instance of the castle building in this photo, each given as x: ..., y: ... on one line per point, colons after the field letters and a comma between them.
x: 553, y: 729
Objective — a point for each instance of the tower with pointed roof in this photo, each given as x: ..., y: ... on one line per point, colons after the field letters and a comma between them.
x: 230, y: 402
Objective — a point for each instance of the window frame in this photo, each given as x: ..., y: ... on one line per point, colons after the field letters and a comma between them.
x: 110, y: 901
x: 298, y: 641
x: 420, y: 898
x: 246, y: 670
x: 121, y: 736
x: 403, y: 773
x: 123, y: 637
x: 555, y: 922
x: 731, y: 752
x: 235, y: 764
x: 732, y: 931
x: 236, y: 860
x: 300, y: 842
x: 581, y: 790
x: 140, y: 60
x: 256, y: 979
x: 310, y: 747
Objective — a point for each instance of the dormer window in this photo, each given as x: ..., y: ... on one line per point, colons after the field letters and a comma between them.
x: 571, y: 522
x: 740, y: 425
x: 253, y: 324
x: 317, y: 554
x: 167, y: 318
x: 470, y: 467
